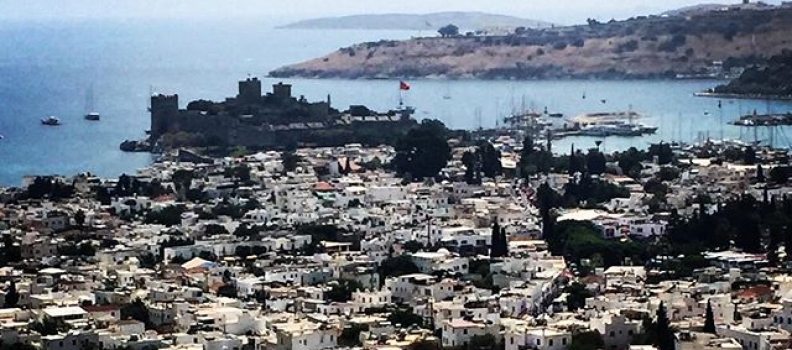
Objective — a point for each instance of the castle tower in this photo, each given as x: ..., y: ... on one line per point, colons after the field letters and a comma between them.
x: 249, y: 91
x: 282, y: 91
x: 163, y: 109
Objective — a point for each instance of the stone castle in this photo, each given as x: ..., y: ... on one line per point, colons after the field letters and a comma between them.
x: 275, y: 119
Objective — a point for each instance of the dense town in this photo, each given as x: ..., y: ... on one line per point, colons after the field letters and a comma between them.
x: 437, y: 243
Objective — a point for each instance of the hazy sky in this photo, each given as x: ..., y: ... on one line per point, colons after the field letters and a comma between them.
x: 559, y: 11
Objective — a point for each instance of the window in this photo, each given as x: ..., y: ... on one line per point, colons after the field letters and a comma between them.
x: 538, y: 341
x: 630, y: 332
x: 563, y: 341
x: 511, y: 340
x: 550, y: 342
x: 612, y: 334
x: 464, y: 332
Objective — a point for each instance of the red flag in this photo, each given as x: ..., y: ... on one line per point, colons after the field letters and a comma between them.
x: 404, y: 86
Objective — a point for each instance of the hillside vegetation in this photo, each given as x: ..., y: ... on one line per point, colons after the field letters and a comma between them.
x: 771, y: 80
x: 641, y: 47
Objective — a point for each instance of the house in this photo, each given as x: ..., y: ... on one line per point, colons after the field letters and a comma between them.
x: 459, y: 331
x: 540, y: 338
x: 305, y: 335
x: 616, y: 329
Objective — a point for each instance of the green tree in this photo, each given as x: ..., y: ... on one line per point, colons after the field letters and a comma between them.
x: 630, y: 161
x: 79, y: 218
x: 405, y: 318
x: 168, y: 216
x: 576, y: 296
x: 663, y: 152
x: 760, y: 175
x: 342, y: 290
x: 749, y: 158
x: 483, y: 342
x: 12, y: 296
x: 490, y: 159
x: 47, y: 326
x: 350, y: 336
x: 665, y: 333
x: 182, y: 179
x: 449, y: 31
x: 136, y: 310
x: 590, y: 340
x: 471, y: 174
x: 595, y: 162
x: 423, y: 152
x: 290, y: 161
x: 242, y: 173
x: 413, y: 246
x: 397, y: 266
x: 424, y: 344
x: 709, y: 319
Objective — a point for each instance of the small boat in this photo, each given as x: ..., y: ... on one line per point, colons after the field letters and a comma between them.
x: 89, y: 106
x: 51, y: 121
x: 556, y: 115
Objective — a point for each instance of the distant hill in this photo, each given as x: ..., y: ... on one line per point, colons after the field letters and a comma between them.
x: 641, y: 47
x: 701, y: 9
x: 471, y: 21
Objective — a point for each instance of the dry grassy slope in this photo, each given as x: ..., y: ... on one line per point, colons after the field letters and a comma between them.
x: 466, y: 58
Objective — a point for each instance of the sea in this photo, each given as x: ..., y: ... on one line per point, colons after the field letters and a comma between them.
x: 48, y: 69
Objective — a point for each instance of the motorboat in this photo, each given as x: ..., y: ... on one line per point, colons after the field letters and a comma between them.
x: 51, y: 121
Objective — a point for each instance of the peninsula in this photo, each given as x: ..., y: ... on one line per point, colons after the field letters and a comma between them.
x: 475, y: 21
x: 765, y: 81
x: 642, y: 47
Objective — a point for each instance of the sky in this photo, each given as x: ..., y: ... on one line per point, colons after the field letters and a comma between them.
x: 283, y: 11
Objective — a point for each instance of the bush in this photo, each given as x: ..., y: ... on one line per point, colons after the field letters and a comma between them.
x: 560, y: 45
x: 628, y: 46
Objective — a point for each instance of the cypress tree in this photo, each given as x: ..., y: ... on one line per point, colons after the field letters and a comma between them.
x: 12, y: 296
x: 709, y: 321
x: 665, y: 334
x: 496, y: 238
x: 504, y: 242
x: 760, y: 177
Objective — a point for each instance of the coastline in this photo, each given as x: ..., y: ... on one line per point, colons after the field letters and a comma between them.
x: 733, y: 96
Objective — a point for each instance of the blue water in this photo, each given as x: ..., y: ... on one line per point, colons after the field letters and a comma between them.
x: 46, y: 69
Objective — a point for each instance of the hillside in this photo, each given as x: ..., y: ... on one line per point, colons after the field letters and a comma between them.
x: 642, y: 47
x: 472, y: 21
x: 771, y: 80
x: 697, y: 10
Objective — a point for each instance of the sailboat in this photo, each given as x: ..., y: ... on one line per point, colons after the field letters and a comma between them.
x: 90, y: 114
x: 447, y: 95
